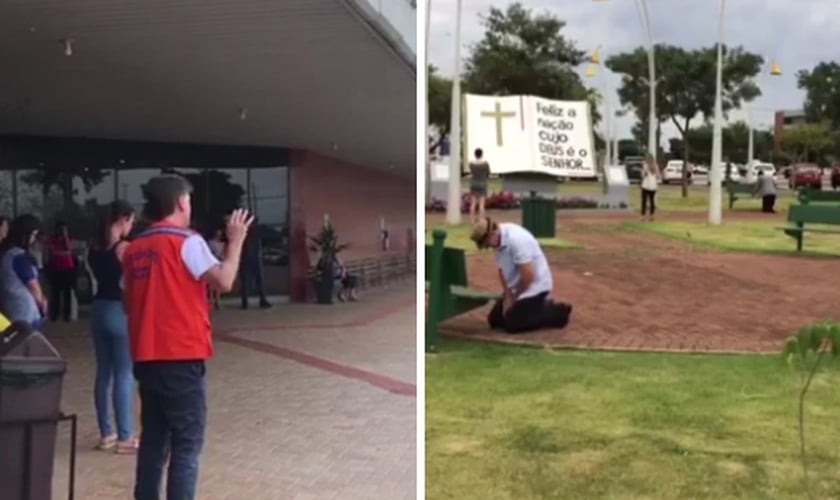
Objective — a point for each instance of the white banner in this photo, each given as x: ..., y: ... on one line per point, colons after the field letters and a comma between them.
x: 521, y: 134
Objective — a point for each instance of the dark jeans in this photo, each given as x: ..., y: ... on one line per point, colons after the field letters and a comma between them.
x: 173, y: 414
x: 532, y: 313
x: 62, y: 284
x: 251, y: 279
x: 648, y: 201
x: 768, y: 201
x: 349, y: 282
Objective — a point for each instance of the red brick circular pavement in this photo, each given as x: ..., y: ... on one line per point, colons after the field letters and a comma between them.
x: 641, y: 292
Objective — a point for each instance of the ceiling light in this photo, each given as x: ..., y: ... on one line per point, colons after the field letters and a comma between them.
x: 243, y: 113
x: 335, y: 147
x: 68, y: 46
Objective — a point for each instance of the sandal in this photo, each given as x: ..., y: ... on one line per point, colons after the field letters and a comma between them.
x: 127, y: 447
x: 106, y: 443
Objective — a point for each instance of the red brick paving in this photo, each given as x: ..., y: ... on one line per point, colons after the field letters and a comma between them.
x: 640, y: 292
x: 279, y: 428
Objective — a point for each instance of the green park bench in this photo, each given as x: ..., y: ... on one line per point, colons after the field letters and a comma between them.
x: 734, y: 189
x: 808, y: 195
x: 446, y: 286
x: 799, y: 215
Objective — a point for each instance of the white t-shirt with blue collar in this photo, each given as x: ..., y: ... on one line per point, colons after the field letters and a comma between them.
x: 518, y: 246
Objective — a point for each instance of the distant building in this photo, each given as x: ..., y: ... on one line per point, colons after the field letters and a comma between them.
x: 785, y: 119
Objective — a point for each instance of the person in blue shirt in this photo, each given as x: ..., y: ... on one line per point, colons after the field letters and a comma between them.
x: 21, y: 296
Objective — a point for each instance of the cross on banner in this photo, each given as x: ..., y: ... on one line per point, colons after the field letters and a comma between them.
x: 498, y: 115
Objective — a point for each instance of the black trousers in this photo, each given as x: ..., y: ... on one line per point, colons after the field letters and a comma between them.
x: 648, y: 201
x: 768, y: 201
x: 62, y: 284
x: 527, y: 315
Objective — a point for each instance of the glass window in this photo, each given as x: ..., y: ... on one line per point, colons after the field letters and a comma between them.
x: 268, y: 198
x: 39, y: 192
x: 6, y: 200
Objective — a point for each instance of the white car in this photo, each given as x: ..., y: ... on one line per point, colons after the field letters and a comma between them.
x: 734, y: 174
x: 673, y: 172
x: 767, y: 168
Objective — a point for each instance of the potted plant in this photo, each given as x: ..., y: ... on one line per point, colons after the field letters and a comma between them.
x: 327, y: 246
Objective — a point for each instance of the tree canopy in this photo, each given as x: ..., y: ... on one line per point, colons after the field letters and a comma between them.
x: 686, y: 83
x: 523, y: 52
x: 808, y: 141
x: 439, y: 91
x: 822, y: 92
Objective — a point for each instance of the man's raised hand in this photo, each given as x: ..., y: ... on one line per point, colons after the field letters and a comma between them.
x: 237, y: 226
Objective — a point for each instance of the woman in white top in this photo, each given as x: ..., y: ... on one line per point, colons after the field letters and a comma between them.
x: 650, y: 181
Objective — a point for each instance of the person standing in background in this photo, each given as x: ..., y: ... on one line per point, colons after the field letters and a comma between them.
x: 61, y: 272
x: 479, y: 175
x: 251, y: 269
x: 166, y: 272
x: 109, y: 327
x: 766, y: 189
x: 21, y: 296
x: 650, y: 182
x: 217, y: 246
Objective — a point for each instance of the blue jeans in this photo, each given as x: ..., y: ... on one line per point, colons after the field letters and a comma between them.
x: 173, y: 414
x: 114, y: 382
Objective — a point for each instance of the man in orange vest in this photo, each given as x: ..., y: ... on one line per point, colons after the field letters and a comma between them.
x: 166, y: 272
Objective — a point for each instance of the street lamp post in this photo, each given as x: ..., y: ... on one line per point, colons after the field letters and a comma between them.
x: 453, y: 204
x: 775, y: 70
x: 426, y: 154
x: 644, y: 18
x: 715, y: 189
x: 595, y: 60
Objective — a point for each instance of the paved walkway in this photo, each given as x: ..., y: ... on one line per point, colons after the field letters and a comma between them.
x: 305, y: 402
x: 643, y: 292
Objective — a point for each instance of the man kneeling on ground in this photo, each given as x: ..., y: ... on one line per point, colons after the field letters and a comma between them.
x: 525, y: 277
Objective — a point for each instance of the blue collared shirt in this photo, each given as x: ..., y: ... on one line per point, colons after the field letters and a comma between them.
x: 518, y: 246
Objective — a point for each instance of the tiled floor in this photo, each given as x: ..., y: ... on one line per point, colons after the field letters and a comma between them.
x: 304, y: 402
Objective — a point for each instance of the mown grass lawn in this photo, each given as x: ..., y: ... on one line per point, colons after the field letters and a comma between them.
x: 758, y: 236
x: 459, y: 237
x: 668, y: 198
x: 517, y: 423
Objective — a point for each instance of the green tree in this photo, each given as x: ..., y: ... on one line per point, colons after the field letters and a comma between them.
x: 526, y: 53
x: 808, y: 141
x: 735, y: 143
x: 63, y: 179
x: 686, y: 84
x: 822, y: 92
x: 629, y: 147
x: 439, y: 95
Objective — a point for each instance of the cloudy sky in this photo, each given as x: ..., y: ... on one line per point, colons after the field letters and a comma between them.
x: 793, y: 33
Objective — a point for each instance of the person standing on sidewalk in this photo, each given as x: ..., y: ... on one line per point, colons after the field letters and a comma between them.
x: 61, y: 272
x: 166, y: 272
x: 650, y: 182
x: 114, y: 382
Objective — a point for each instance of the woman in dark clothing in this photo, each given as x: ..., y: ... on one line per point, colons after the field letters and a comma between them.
x: 114, y: 380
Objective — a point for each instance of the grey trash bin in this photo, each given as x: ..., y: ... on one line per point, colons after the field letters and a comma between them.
x: 31, y: 375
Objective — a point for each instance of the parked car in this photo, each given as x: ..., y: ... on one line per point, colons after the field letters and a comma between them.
x: 634, y: 170
x: 767, y: 168
x: 734, y: 174
x: 673, y: 172
x: 700, y: 170
x: 755, y: 168
x: 806, y: 176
